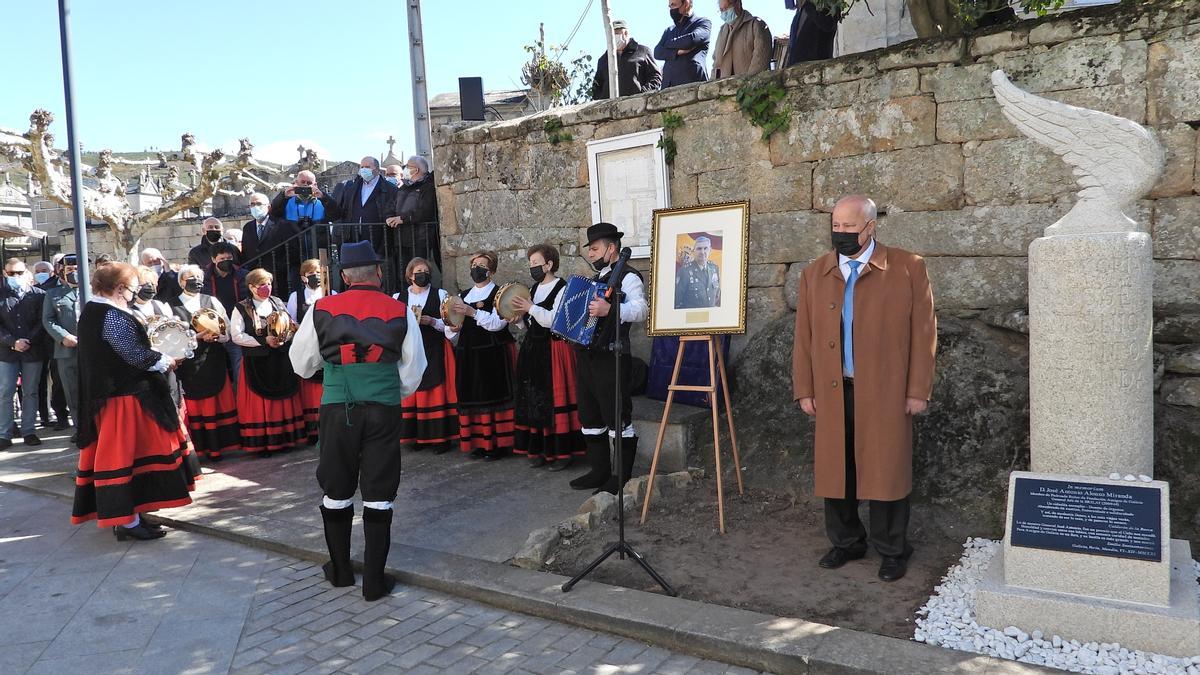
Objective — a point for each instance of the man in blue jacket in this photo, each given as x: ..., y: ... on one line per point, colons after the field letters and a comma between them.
x: 684, y: 46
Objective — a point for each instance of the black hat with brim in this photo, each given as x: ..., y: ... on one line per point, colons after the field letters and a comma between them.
x: 603, y: 231
x: 358, y: 254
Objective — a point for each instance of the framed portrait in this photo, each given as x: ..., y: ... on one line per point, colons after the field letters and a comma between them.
x: 698, y: 262
x: 628, y: 179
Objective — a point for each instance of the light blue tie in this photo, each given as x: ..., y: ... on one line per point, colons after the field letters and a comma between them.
x: 848, y: 320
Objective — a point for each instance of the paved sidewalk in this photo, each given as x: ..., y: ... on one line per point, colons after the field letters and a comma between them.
x: 74, y: 600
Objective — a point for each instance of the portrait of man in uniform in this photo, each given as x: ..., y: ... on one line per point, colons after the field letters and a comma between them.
x: 698, y: 280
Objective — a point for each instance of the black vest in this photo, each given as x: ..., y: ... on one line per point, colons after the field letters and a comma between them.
x: 361, y: 325
x: 205, y: 374
x: 268, y: 370
x: 606, y: 327
x: 432, y: 340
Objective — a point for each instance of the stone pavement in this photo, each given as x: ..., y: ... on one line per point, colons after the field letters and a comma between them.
x: 75, y: 600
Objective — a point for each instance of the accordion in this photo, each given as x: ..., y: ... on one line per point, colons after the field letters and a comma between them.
x: 571, y: 321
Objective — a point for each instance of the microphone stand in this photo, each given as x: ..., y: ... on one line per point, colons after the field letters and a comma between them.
x: 620, y: 547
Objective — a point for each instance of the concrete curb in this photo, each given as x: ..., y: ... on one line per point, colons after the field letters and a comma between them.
x: 735, y: 636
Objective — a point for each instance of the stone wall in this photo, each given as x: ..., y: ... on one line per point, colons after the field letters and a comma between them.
x: 916, y: 127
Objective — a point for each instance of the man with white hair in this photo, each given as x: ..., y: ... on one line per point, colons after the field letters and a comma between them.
x: 637, y: 71
x: 416, y: 219
x: 369, y: 200
x: 212, y: 232
x: 168, y: 279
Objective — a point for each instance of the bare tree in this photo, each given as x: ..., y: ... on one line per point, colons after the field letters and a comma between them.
x: 34, y: 151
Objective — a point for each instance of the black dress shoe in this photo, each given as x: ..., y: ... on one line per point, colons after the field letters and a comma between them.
x: 838, y: 557
x: 441, y: 449
x: 494, y: 457
x: 141, y: 533
x: 893, y: 568
x: 61, y: 425
x: 476, y: 454
x: 32, y: 439
x: 560, y: 463
x: 538, y: 461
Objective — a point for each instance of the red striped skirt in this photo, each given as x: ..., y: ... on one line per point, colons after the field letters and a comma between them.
x: 268, y: 424
x: 431, y: 417
x: 561, y: 435
x: 310, y: 398
x: 132, y: 467
x: 213, y: 422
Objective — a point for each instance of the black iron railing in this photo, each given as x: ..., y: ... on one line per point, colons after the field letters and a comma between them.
x: 395, y: 245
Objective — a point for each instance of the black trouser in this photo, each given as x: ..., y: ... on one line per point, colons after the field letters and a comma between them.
x: 889, y: 520
x: 360, y: 449
x: 57, y: 400
x: 595, y: 383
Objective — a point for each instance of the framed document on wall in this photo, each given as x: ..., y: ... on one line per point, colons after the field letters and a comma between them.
x: 628, y: 179
x: 698, y: 264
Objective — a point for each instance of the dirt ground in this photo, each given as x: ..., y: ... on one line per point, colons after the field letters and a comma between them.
x: 767, y: 560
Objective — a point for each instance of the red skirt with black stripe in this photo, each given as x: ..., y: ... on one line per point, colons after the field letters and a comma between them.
x: 310, y: 398
x: 488, y: 430
x: 431, y: 417
x: 132, y: 467
x: 558, y: 435
x: 213, y: 422
x: 268, y: 424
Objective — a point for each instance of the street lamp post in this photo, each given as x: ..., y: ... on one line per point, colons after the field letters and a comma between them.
x: 84, y: 273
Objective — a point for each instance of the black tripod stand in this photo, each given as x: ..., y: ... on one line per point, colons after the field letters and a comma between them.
x: 620, y: 547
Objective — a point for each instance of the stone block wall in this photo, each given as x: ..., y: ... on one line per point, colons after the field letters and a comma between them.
x: 916, y: 127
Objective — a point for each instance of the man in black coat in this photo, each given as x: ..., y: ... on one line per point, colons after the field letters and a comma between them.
x: 416, y: 221
x: 262, y: 237
x: 368, y: 200
x: 212, y: 233
x: 812, y: 34
x: 21, y: 356
x: 637, y: 71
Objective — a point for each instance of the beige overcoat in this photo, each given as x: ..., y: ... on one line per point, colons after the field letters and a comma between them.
x: 743, y: 47
x: 895, y: 338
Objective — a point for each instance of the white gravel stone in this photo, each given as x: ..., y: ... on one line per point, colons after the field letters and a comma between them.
x: 1130, y: 476
x: 1144, y: 478
x: 1114, y: 476
x: 947, y: 619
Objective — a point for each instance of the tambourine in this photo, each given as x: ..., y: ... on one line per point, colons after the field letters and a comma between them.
x: 280, y: 325
x: 207, y: 320
x: 505, y: 297
x: 172, y: 337
x: 451, y: 314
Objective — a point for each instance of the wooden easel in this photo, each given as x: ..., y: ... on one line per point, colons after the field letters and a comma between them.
x: 716, y: 359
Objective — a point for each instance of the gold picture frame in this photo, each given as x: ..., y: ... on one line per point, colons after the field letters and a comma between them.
x: 699, y: 265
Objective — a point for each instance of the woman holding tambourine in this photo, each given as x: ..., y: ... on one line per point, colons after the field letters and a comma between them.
x: 268, y: 392
x: 547, y: 417
x: 485, y: 353
x: 431, y: 413
x: 314, y: 285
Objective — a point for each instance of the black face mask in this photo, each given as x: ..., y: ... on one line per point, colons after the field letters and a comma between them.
x: 145, y: 292
x: 537, y: 273
x: 676, y: 15
x: 314, y: 281
x: 225, y: 266
x: 846, y: 243
x: 600, y: 264
x: 212, y: 236
x: 192, y: 285
x: 479, y: 274
x: 72, y: 279
x: 421, y: 279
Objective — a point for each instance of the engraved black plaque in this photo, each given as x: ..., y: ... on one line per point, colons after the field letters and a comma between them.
x: 1122, y: 521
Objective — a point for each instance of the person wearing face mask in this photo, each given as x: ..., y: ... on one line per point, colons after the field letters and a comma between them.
x: 60, y: 318
x: 863, y: 366
x: 415, y: 222
x: 546, y: 416
x: 167, y: 283
x: 50, y: 392
x: 431, y: 412
x: 396, y: 174
x: 744, y: 44
x: 812, y: 34
x: 596, y: 366
x: 146, y: 309
x: 369, y: 200
x: 298, y: 304
x: 485, y: 353
x: 212, y: 420
x: 212, y: 233
x: 226, y: 281
x: 267, y: 239
x: 637, y: 71
x: 21, y: 334
x: 684, y: 46
x: 268, y: 393
x: 129, y: 432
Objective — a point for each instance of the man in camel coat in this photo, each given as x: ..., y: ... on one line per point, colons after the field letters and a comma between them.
x: 863, y: 366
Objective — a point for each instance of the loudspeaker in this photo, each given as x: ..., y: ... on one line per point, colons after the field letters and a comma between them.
x: 470, y: 98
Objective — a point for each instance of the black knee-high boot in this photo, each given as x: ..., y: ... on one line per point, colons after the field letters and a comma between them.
x: 628, y: 455
x: 601, y: 467
x: 377, y: 528
x: 337, y: 537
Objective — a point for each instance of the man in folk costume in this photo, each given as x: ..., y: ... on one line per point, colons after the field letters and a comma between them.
x: 596, y: 368
x: 866, y: 335
x: 369, y: 347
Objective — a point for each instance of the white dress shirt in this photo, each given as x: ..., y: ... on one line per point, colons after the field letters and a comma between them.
x: 192, y: 304
x: 237, y: 325
x: 486, y: 320
x: 634, y: 307
x: 368, y: 187
x: 422, y: 300
x: 863, y: 257
x: 544, y: 316
x: 310, y: 297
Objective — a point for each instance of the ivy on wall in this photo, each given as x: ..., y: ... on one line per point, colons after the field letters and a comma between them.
x: 670, y: 122
x: 759, y: 100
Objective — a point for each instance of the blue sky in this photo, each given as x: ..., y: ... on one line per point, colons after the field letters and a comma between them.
x: 331, y: 75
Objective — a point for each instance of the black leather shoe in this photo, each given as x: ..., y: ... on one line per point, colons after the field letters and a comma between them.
x: 838, y: 557
x: 494, y: 457
x: 538, y: 462
x: 476, y: 454
x: 893, y: 568
x: 560, y: 463
x: 441, y: 450
x: 32, y: 439
x: 61, y: 425
x: 141, y: 533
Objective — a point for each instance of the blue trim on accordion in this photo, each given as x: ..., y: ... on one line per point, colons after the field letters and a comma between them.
x: 571, y: 321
